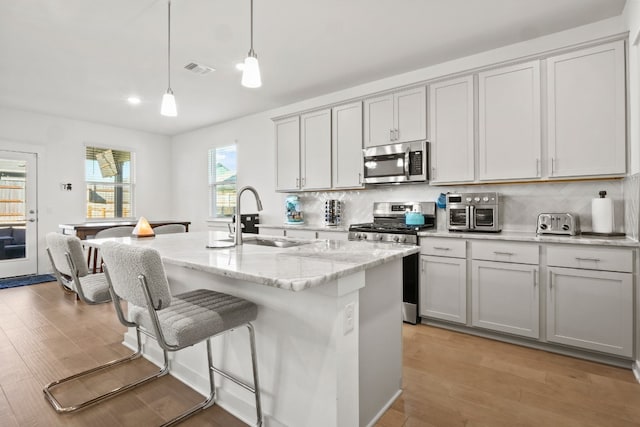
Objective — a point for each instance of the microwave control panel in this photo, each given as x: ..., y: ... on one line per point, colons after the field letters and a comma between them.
x: 415, y: 163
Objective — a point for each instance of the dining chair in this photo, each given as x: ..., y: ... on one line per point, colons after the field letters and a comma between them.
x: 170, y: 228
x: 67, y: 260
x: 119, y: 231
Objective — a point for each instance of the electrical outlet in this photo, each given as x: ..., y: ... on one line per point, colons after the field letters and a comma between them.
x: 349, y: 317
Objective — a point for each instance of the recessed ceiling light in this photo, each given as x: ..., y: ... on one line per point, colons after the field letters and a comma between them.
x: 134, y: 100
x: 240, y: 66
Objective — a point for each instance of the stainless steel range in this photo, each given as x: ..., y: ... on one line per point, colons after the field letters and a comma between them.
x: 390, y: 225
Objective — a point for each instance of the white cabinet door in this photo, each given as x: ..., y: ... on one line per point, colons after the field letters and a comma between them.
x: 315, y: 138
x: 509, y: 122
x: 591, y: 309
x: 410, y: 114
x: 586, y: 112
x: 396, y: 117
x: 378, y: 120
x: 443, y: 288
x: 347, y: 165
x: 451, y: 128
x: 288, y: 154
x: 505, y: 297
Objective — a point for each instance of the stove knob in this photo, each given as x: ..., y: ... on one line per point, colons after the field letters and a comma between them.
x: 468, y: 199
x: 396, y: 239
x: 364, y: 236
x: 477, y: 199
x: 485, y: 199
x: 543, y: 226
x: 403, y: 239
x: 565, y: 227
x: 380, y: 237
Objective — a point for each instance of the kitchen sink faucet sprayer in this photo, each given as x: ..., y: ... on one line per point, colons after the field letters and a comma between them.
x: 238, y: 222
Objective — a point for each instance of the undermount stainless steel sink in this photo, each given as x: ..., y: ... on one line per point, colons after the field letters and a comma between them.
x: 277, y: 243
x: 260, y: 241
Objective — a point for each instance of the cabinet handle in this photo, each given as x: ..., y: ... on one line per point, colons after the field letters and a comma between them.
x: 397, y: 133
x: 422, y: 265
x: 535, y: 278
x: 537, y: 167
x: 553, y: 165
x: 441, y: 248
x: 297, y: 182
x: 390, y: 134
x: 433, y: 173
x: 503, y: 253
x: 359, y: 178
x: 588, y: 259
x: 304, y: 181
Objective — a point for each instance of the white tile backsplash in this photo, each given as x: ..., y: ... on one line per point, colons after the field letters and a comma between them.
x: 521, y: 203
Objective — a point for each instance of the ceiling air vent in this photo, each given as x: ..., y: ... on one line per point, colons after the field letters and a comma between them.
x: 200, y: 69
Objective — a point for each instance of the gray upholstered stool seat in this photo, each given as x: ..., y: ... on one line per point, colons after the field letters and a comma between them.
x: 196, y: 315
x: 93, y: 286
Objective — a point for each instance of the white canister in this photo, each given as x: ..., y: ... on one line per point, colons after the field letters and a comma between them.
x: 602, y: 214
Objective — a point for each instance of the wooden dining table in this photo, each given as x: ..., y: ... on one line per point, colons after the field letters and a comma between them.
x: 86, y: 229
x: 89, y: 229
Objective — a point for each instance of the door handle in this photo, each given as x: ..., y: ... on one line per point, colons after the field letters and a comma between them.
x: 31, y: 220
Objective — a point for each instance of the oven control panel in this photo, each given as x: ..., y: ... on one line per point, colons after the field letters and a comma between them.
x: 384, y: 237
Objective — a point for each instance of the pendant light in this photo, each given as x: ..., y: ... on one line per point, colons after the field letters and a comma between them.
x: 251, y: 71
x: 168, y: 107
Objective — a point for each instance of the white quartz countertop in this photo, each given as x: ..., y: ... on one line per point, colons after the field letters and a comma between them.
x: 309, y: 227
x: 533, y: 237
x: 293, y: 268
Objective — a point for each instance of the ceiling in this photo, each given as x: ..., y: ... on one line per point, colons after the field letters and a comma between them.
x: 82, y: 58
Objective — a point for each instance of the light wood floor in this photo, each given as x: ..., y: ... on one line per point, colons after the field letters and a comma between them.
x: 450, y: 379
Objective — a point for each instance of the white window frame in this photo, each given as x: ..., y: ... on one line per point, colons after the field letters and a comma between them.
x: 212, y: 184
x: 130, y: 185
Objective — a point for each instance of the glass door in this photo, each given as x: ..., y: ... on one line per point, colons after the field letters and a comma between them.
x: 18, y: 217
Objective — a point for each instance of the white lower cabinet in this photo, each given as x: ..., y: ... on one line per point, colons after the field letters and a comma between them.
x: 591, y: 309
x: 443, y: 288
x: 505, y: 297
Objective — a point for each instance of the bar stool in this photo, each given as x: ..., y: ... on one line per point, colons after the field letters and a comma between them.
x: 136, y: 274
x: 67, y: 259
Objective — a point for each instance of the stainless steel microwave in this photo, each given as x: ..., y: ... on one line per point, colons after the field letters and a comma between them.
x: 396, y: 163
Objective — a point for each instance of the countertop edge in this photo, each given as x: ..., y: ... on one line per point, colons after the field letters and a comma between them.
x: 535, y: 238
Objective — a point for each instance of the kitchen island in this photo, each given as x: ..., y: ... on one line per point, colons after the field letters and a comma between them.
x: 328, y: 332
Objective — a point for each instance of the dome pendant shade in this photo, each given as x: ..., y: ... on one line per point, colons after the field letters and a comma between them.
x: 251, y: 72
x: 168, y: 107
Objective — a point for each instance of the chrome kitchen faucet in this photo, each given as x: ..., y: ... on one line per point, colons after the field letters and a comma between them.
x: 238, y: 223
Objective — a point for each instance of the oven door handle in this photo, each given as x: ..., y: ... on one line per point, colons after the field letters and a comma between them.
x: 407, y: 155
x: 471, y: 223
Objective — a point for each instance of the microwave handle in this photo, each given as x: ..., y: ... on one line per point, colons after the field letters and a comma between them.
x: 407, y: 156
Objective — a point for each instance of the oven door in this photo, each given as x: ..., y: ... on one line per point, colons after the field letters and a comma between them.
x: 459, y: 217
x: 484, y: 218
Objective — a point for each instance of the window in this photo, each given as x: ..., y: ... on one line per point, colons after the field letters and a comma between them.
x: 222, y: 181
x: 109, y: 184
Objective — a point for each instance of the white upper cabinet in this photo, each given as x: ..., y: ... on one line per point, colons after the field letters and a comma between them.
x: 315, y: 145
x: 347, y: 146
x: 287, y: 154
x: 451, y: 131
x: 586, y: 112
x: 395, y: 117
x: 509, y: 122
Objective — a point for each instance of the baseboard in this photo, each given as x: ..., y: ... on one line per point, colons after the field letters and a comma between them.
x: 636, y: 370
x: 384, y: 409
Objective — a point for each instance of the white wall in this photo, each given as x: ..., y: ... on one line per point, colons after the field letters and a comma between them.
x: 60, y: 143
x: 255, y: 137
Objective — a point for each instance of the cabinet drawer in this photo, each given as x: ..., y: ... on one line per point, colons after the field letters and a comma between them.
x: 591, y: 258
x: 455, y: 248
x: 521, y: 253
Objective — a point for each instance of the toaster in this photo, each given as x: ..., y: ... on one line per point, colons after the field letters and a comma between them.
x: 558, y: 223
